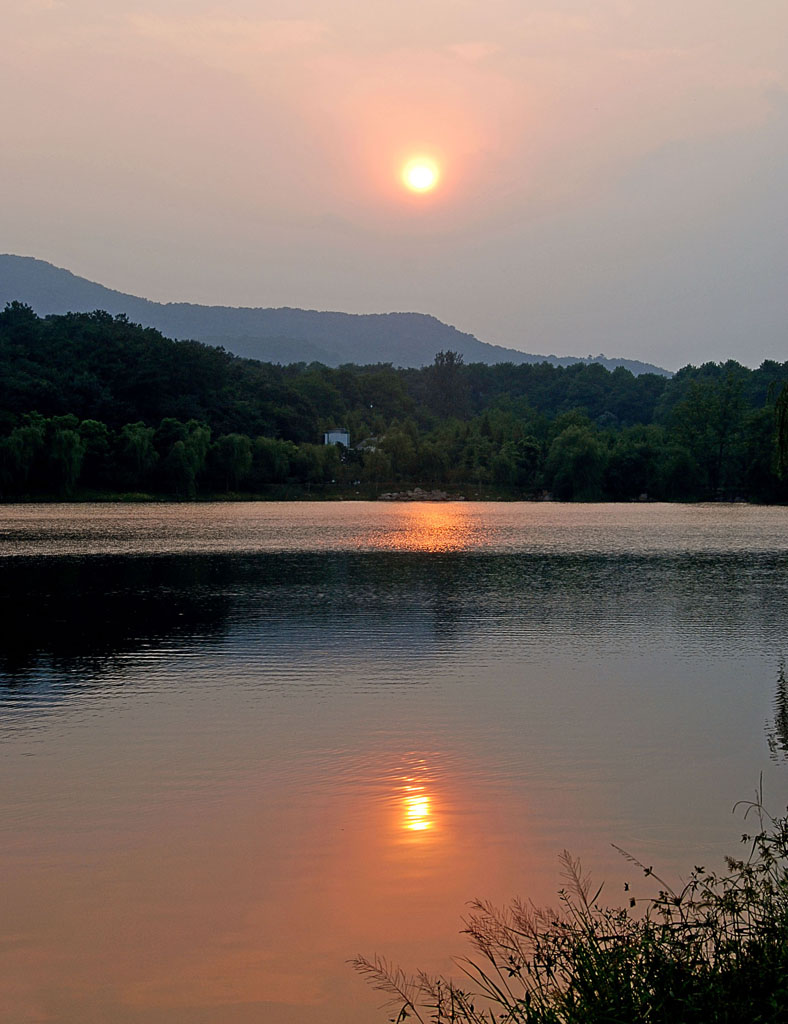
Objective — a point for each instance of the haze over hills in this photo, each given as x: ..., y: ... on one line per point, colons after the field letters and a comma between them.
x: 273, y: 335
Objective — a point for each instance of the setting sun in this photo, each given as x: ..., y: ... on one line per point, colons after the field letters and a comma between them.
x: 420, y: 174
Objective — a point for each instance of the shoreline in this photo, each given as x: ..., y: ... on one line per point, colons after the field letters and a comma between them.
x: 387, y: 497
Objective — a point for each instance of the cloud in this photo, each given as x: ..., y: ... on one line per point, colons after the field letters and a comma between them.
x: 473, y: 52
x: 45, y: 5
x: 230, y: 41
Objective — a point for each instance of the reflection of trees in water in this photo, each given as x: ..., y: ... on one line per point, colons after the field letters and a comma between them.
x: 777, y: 731
x: 71, y: 618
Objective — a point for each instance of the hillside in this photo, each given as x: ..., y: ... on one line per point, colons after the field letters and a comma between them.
x: 272, y: 335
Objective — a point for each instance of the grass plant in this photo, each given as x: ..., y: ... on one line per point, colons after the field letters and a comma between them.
x: 713, y: 952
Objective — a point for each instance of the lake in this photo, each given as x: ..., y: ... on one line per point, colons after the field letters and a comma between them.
x: 242, y: 743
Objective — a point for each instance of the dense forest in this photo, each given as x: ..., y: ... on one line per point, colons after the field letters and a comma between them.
x: 93, y: 404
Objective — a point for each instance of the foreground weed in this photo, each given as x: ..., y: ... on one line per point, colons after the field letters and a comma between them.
x: 715, y: 952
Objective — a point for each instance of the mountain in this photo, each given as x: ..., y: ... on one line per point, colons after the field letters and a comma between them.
x: 273, y: 335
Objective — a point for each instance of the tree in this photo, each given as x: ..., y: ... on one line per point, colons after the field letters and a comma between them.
x: 232, y: 458
x: 432, y: 461
x: 632, y: 461
x: 448, y: 388
x: 709, y: 423
x: 178, y: 470
x: 517, y: 463
x: 97, y: 455
x: 66, y: 452
x: 24, y: 449
x: 167, y: 433
x: 19, y: 322
x: 197, y: 443
x: 677, y: 475
x: 271, y: 460
x: 781, y: 430
x: 137, y: 455
x: 478, y: 459
x: 575, y: 463
x: 401, y: 450
x: 312, y: 463
x: 377, y: 467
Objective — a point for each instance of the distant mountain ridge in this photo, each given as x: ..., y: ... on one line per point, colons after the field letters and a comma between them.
x: 282, y: 335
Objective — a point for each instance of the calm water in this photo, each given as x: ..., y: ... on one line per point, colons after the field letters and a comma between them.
x: 242, y: 743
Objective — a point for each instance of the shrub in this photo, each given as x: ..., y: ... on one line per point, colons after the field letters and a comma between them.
x: 715, y: 952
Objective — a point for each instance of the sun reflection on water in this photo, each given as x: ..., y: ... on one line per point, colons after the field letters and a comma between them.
x: 431, y: 526
x: 416, y: 800
x: 417, y: 810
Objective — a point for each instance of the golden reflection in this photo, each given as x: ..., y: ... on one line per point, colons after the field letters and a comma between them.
x: 432, y: 526
x: 417, y: 810
x: 416, y: 800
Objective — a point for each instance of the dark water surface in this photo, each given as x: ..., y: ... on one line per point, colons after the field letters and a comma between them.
x: 242, y: 743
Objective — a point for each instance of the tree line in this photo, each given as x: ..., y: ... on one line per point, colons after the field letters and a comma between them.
x: 93, y: 403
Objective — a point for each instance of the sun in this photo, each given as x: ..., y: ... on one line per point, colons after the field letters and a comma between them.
x: 420, y: 174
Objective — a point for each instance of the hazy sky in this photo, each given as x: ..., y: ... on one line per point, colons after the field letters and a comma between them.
x: 614, y: 172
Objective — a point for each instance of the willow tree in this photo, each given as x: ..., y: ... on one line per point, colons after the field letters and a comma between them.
x: 781, y: 425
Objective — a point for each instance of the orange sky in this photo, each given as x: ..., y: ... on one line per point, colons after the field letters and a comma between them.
x: 611, y: 171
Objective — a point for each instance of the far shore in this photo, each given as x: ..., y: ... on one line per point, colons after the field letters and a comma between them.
x: 284, y: 493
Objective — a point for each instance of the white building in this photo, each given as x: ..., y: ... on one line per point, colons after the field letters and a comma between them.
x: 337, y: 435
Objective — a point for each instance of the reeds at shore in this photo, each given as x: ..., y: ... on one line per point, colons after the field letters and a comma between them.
x: 713, y: 952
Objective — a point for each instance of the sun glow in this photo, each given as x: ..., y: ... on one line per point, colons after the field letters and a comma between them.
x: 430, y: 526
x: 417, y: 809
x: 420, y: 174
x: 416, y: 800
